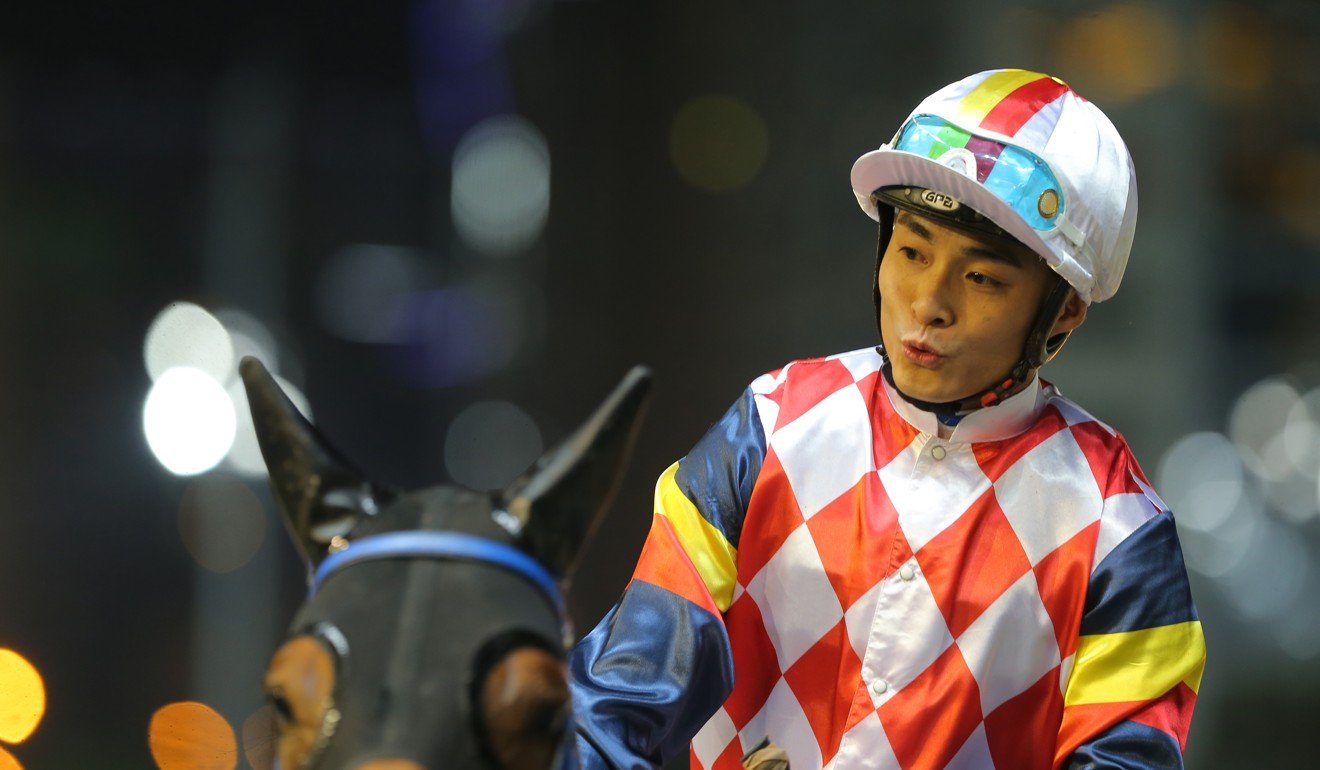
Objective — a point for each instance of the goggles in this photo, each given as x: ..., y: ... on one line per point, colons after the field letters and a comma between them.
x: 1016, y: 176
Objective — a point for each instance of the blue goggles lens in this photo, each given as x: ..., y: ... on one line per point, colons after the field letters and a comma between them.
x: 1015, y: 176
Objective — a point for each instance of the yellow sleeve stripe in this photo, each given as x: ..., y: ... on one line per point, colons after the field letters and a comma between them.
x: 715, y: 558
x: 1136, y: 665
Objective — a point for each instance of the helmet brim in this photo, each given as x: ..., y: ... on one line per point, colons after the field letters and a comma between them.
x: 886, y: 167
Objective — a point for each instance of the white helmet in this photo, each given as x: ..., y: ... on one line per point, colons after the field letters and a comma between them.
x: 1023, y: 150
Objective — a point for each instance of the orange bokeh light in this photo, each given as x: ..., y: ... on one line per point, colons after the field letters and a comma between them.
x: 191, y: 736
x: 22, y: 697
x: 7, y: 761
x: 1121, y: 52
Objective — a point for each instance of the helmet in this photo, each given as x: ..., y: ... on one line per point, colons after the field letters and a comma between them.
x: 1026, y: 152
x: 1018, y: 154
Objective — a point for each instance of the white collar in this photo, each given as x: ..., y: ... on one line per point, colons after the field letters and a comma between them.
x: 1004, y: 420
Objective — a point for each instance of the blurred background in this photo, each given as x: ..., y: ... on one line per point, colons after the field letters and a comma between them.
x: 451, y: 225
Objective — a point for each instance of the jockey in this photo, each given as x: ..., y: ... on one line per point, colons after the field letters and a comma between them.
x: 920, y: 554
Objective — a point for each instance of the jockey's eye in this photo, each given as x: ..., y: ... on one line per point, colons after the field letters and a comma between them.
x: 300, y: 685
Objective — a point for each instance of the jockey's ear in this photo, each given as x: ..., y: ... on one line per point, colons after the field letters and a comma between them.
x: 559, y: 500
x: 320, y: 494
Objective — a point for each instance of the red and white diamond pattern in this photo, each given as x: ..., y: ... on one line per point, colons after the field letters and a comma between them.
x: 917, y: 610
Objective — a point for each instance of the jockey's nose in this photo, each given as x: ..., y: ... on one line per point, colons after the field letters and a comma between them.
x: 389, y: 764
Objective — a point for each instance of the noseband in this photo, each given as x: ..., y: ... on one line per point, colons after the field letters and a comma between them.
x: 426, y: 544
x: 429, y: 544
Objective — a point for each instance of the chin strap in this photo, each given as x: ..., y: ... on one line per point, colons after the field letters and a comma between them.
x: 1038, y: 348
x: 962, y: 406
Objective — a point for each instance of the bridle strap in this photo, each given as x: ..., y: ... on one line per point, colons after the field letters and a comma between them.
x: 422, y: 544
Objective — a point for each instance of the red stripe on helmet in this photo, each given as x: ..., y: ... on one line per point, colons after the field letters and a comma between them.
x: 1014, y: 110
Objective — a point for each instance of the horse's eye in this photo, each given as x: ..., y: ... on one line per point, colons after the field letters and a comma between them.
x: 283, y: 709
x: 524, y: 707
x: 300, y: 684
x: 547, y: 717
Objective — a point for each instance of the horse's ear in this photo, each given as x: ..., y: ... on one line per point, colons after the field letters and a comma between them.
x: 320, y: 494
x: 559, y: 500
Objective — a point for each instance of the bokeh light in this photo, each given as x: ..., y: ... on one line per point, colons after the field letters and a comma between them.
x: 1201, y: 478
x: 490, y: 443
x: 22, y: 697
x: 1271, y: 576
x: 1301, y: 434
x: 1297, y: 170
x: 1293, y: 498
x: 718, y: 143
x: 1218, y: 552
x: 1256, y: 425
x: 9, y: 761
x: 500, y: 191
x: 221, y: 522
x: 191, y: 736
x: 1240, y: 500
x: 458, y: 334
x: 185, y: 335
x: 1237, y: 55
x: 189, y: 421
x: 1122, y: 52
x: 244, y: 455
x: 261, y: 738
x: 249, y: 337
x: 361, y: 291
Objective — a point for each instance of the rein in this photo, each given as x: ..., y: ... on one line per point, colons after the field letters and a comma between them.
x: 441, y: 545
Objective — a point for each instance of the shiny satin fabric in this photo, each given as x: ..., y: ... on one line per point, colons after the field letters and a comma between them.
x: 901, y: 600
x: 646, y: 678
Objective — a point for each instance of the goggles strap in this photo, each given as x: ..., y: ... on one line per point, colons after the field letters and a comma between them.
x: 1070, y: 231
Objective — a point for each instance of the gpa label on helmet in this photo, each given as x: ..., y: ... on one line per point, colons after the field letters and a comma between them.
x: 939, y: 201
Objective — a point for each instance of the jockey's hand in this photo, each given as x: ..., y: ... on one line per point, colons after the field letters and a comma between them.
x: 766, y: 756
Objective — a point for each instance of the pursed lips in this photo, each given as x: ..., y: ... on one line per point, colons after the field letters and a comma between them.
x: 922, y: 353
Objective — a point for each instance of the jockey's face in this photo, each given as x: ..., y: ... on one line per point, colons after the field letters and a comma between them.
x: 956, y: 307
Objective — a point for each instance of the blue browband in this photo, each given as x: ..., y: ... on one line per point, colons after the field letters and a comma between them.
x: 440, y: 545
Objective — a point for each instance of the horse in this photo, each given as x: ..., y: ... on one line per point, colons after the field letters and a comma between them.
x: 434, y: 633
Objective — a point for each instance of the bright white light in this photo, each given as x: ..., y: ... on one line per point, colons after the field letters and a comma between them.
x: 490, y: 443
x: 249, y: 337
x: 1259, y: 415
x: 500, y: 192
x: 185, y: 335
x: 245, y: 455
x: 1201, y: 478
x: 189, y: 421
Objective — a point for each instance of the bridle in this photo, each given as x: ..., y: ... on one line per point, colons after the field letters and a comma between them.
x: 428, y: 544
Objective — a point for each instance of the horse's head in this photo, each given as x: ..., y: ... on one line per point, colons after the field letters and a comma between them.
x: 434, y: 632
